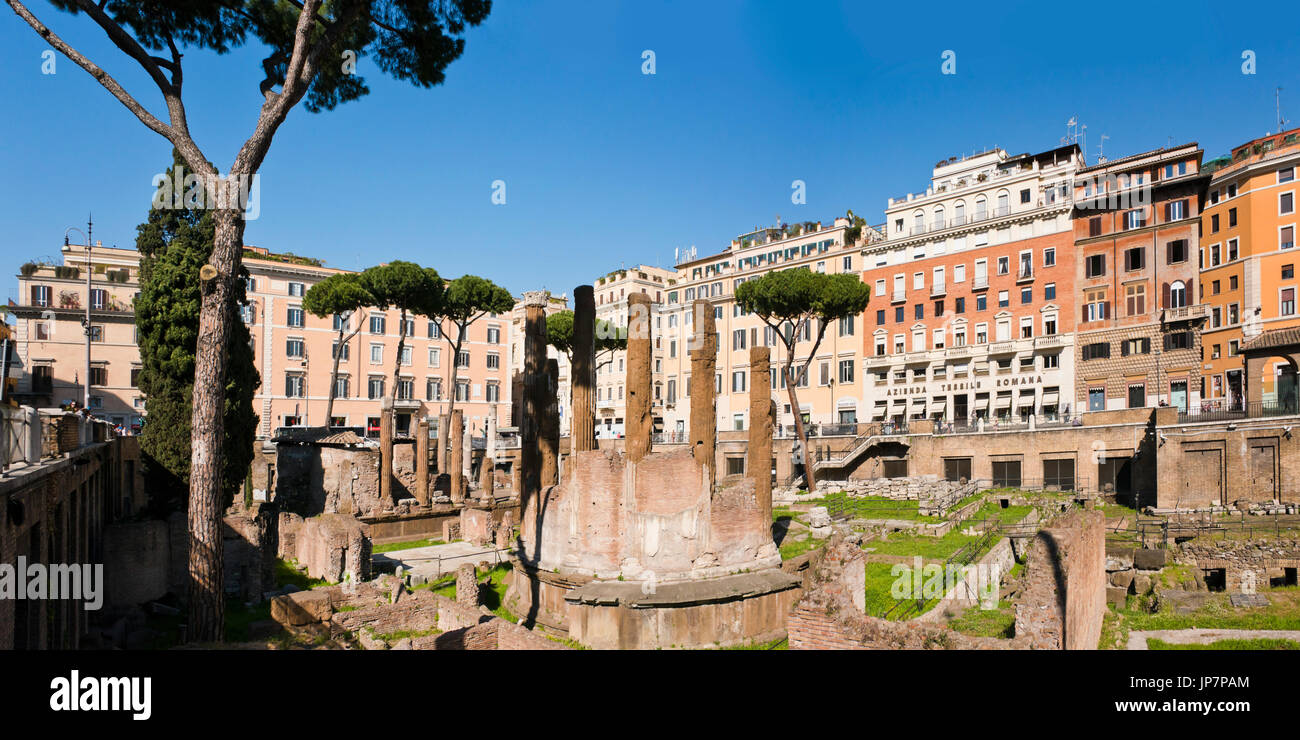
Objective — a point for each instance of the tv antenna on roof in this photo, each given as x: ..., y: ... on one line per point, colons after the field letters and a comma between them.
x: 1101, y: 149
x: 1277, y: 104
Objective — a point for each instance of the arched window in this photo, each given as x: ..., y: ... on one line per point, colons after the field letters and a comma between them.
x: 981, y: 208
x: 959, y: 213
x: 938, y: 218
x: 918, y: 222
x: 1177, y: 294
x: 1004, y: 203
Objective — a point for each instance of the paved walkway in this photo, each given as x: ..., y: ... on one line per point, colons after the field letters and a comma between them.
x: 1138, y: 640
x: 435, y: 561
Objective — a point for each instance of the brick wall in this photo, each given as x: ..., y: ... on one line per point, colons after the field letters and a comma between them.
x: 1064, y: 598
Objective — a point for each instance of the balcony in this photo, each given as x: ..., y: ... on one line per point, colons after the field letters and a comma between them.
x: 900, y: 296
x: 1186, y: 313
x: 956, y: 221
x: 962, y: 351
x: 1049, y: 340
x: 979, y: 282
x: 939, y: 288
x: 1025, y: 274
x: 918, y: 229
x: 1002, y: 348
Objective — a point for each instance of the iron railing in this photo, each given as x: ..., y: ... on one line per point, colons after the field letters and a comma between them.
x: 1220, y: 411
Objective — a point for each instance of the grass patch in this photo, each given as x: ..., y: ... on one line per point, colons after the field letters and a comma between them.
x: 781, y: 644
x: 930, y: 548
x: 392, y: 637
x: 993, y: 513
x: 880, y: 598
x: 1260, y: 643
x: 792, y: 548
x: 1282, y: 614
x: 407, y: 545
x: 977, y: 622
x: 877, y: 507
x: 289, y: 572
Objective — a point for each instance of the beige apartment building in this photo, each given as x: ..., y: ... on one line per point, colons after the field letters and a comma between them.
x: 829, y: 393
x: 611, y: 292
x: 293, y: 350
x: 564, y: 394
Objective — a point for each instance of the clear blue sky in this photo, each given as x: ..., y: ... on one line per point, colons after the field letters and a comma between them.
x: 605, y: 166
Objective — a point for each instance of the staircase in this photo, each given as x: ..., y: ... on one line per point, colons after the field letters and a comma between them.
x: 873, y: 434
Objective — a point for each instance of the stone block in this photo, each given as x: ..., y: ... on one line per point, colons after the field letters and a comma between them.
x: 1141, y: 584
x: 818, y: 517
x: 1150, y: 559
x: 1116, y: 596
x: 1121, y: 578
x: 301, y: 608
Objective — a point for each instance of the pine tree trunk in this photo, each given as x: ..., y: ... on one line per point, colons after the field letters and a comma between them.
x: 799, y: 430
x: 206, y: 588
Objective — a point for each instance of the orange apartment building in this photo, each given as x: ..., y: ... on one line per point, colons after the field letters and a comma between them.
x: 1248, y: 265
x: 1136, y: 236
x: 292, y: 348
x: 971, y: 311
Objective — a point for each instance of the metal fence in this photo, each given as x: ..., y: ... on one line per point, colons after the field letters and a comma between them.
x: 1160, y: 532
x: 1219, y: 411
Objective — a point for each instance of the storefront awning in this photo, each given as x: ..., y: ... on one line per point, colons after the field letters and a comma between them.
x: 879, y: 411
x: 938, y: 405
x: 1050, y: 398
x: 918, y: 402
x: 1003, y: 402
x: 1025, y: 401
x: 982, y: 404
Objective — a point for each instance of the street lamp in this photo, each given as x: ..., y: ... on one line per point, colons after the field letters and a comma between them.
x: 85, y: 322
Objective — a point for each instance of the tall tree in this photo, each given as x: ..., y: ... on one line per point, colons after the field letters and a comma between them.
x: 791, y: 303
x: 413, y: 290
x: 342, y: 294
x: 468, y: 299
x: 609, y: 337
x: 174, y: 245
x: 313, y: 48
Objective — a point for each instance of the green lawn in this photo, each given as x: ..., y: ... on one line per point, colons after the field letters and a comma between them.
x: 289, y: 572
x: 393, y: 546
x: 793, y: 548
x: 876, y: 507
x: 494, y: 596
x: 1282, y: 614
x: 930, y: 548
x: 1263, y: 643
x: 880, y: 585
x: 977, y: 622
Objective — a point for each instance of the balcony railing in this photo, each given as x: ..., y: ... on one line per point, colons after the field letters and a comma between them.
x: 900, y: 296
x: 1186, y: 313
x: 1049, y: 340
x: 938, y: 288
x: 979, y: 282
x: 1025, y: 273
x: 1221, y: 411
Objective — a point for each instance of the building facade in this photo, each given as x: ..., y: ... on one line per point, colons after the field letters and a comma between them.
x: 293, y: 350
x: 971, y: 310
x: 611, y: 292
x: 1248, y: 264
x: 1138, y: 339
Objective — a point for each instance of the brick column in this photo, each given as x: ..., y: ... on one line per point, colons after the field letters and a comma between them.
x: 761, y: 413
x: 704, y: 415
x: 550, y: 427
x: 386, y: 452
x: 487, y: 469
x: 533, y: 407
x: 454, y: 469
x: 422, y: 461
x: 582, y: 374
x: 444, y: 434
x: 640, y: 356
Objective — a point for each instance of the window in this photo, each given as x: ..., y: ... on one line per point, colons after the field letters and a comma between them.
x: 1135, y: 219
x: 1006, y: 473
x: 1177, y: 295
x: 981, y: 302
x: 135, y: 377
x: 1286, y: 304
x: 1024, y: 195
x: 340, y: 322
x: 1049, y: 257
x: 1232, y: 250
x: 1178, y: 340
x: 1135, y: 299
x: 1176, y: 210
x: 1139, y: 346
x: 898, y: 314
x: 1176, y: 251
x: 376, y: 387
x: 1049, y: 325
x: 1134, y: 259
x: 846, y: 371
x: 462, y: 359
x: 1137, y: 395
x: 1285, y: 175
x: 376, y: 354
x: 1058, y: 474
x: 1096, y: 351
x: 408, y: 328
x: 406, y: 355
x: 41, y: 295
x: 340, y: 388
x: 846, y: 326
x: 377, y: 324
x: 1214, y: 224
x: 959, y: 305
x: 295, y: 289
x: 293, y: 347
x: 493, y: 361
x: 98, y: 375
x: 405, y: 389
x: 1004, y: 265
x: 1232, y: 212
x: 1285, y: 204
x: 295, y: 386
x: 1004, y: 298
x: 1052, y: 361
x: 1049, y: 292
x: 1288, y: 272
x: 848, y: 263
x: 880, y: 317
x: 435, y: 331
x: 294, y: 317
x: 738, y: 381
x: 98, y: 299
x: 435, y: 357
x: 1094, y: 226
x: 1095, y: 266
x: 493, y: 335
x: 433, y: 389
x: 919, y: 311
x: 96, y: 333
x: 1026, y: 295
x: 1286, y: 237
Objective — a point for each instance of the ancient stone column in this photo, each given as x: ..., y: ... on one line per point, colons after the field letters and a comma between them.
x: 466, y: 456
x: 422, y: 461
x: 533, y: 407
x: 487, y: 469
x: 640, y: 356
x: 761, y: 413
x: 550, y: 427
x: 454, y: 457
x: 444, y: 434
x: 386, y: 451
x: 582, y: 375
x: 704, y: 361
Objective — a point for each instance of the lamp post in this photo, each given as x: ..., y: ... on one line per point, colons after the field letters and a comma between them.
x: 85, y: 321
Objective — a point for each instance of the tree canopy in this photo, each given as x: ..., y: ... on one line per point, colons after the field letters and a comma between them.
x: 469, y: 297
x: 340, y: 293
x: 405, y: 286
x: 800, y: 294
x: 559, y: 334
x: 174, y: 244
